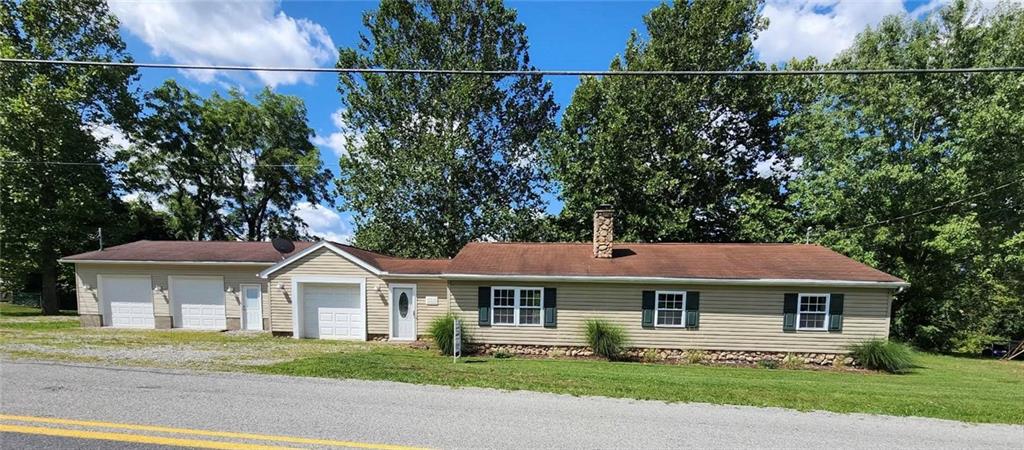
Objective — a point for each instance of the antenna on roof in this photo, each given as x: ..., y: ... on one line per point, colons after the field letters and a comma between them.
x: 807, y: 238
x: 99, y: 233
x: 283, y: 245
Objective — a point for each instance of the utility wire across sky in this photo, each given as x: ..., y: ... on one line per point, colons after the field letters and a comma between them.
x: 551, y: 73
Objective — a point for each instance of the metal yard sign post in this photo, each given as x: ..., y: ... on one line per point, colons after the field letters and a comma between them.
x: 457, y: 341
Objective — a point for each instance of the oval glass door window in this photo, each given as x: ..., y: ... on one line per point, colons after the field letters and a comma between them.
x: 403, y: 305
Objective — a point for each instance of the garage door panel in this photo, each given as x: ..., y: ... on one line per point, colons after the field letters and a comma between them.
x: 129, y: 301
x: 199, y: 302
x: 332, y: 312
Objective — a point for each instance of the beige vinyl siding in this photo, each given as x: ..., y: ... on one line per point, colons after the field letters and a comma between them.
x: 426, y: 313
x: 234, y: 276
x: 324, y: 262
x: 731, y: 318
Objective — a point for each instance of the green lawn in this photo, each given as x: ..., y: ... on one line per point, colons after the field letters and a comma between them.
x: 973, y: 390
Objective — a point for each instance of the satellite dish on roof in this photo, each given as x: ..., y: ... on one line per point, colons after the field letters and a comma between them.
x: 283, y: 245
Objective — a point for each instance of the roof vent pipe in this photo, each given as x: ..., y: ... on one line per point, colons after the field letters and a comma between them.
x: 604, y: 226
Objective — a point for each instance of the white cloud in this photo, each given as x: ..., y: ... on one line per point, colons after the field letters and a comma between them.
x: 110, y: 137
x: 819, y: 28
x: 338, y: 140
x: 324, y: 222
x: 141, y: 196
x: 250, y: 33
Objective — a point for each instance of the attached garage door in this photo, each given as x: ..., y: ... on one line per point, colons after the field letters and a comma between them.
x: 332, y: 312
x: 128, y: 301
x: 198, y: 302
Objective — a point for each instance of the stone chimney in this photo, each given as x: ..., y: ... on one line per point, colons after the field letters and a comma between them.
x: 604, y: 225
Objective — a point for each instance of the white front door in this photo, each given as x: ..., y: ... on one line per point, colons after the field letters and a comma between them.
x: 332, y: 311
x: 128, y: 301
x: 252, y: 307
x: 403, y: 313
x: 198, y: 302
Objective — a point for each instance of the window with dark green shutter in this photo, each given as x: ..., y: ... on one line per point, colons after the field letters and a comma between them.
x: 647, y: 306
x: 483, y: 305
x: 550, y: 307
x: 692, y: 309
x: 835, y: 312
x: 789, y: 306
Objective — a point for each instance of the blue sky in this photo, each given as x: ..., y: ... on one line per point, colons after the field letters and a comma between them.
x: 563, y: 35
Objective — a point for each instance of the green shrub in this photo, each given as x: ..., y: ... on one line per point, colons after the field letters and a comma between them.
x: 768, y: 364
x: 501, y: 354
x: 650, y: 355
x: 880, y: 354
x: 792, y: 361
x: 694, y: 356
x: 442, y: 329
x: 605, y: 338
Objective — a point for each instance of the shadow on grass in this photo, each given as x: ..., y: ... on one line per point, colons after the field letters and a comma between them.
x: 12, y: 310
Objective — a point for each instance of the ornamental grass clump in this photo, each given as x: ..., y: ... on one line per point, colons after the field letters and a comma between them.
x: 442, y: 329
x: 880, y: 354
x: 606, y: 339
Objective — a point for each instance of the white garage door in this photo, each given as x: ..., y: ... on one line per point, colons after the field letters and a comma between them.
x: 128, y: 300
x: 332, y: 312
x: 198, y: 302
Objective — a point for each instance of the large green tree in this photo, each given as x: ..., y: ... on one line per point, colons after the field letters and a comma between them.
x: 676, y: 156
x: 226, y: 167
x: 878, y: 150
x: 46, y: 114
x: 435, y: 161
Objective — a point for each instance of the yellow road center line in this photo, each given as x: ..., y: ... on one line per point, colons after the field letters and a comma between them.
x: 133, y: 438
x: 209, y: 433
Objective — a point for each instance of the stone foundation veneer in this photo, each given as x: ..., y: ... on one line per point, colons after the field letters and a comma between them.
x: 90, y: 320
x: 672, y: 355
x: 163, y: 322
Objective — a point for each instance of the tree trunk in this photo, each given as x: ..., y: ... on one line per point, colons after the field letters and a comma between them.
x: 47, y: 251
x: 48, y: 266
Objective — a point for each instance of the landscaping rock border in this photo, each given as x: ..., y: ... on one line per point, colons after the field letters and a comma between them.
x: 671, y: 355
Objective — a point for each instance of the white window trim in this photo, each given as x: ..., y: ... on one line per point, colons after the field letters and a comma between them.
x: 828, y: 306
x: 517, y: 305
x: 682, y: 323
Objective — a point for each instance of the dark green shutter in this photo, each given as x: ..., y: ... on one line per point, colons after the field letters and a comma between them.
x: 648, y: 308
x: 483, y: 305
x: 789, y: 313
x: 550, y: 307
x: 692, y: 309
x: 835, y: 312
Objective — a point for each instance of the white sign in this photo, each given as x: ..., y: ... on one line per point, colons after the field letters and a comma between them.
x: 457, y: 340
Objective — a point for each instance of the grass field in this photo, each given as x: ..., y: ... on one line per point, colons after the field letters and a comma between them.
x: 973, y: 390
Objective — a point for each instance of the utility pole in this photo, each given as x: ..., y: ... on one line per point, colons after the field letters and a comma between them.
x: 99, y: 233
x: 807, y: 238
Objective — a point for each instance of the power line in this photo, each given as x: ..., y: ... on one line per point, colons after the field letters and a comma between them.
x: 69, y: 163
x: 934, y: 208
x: 553, y: 73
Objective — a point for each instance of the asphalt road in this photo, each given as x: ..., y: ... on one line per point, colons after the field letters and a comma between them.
x: 440, y: 417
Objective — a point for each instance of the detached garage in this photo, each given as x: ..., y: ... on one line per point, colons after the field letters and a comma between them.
x: 197, y: 302
x: 176, y: 284
x: 126, y: 300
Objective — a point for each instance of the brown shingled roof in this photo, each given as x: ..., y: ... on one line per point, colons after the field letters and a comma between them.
x: 189, y: 251
x: 706, y: 261
x: 714, y: 261
x: 393, y: 264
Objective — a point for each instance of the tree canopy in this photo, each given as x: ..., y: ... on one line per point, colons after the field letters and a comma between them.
x: 224, y: 167
x: 436, y: 161
x: 47, y: 114
x: 677, y: 156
